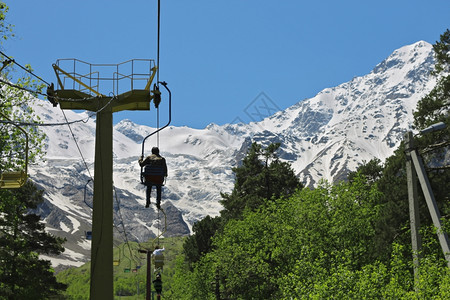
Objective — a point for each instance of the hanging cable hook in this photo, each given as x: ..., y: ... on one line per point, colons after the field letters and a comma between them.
x: 85, y: 188
x: 159, y: 31
x: 163, y: 83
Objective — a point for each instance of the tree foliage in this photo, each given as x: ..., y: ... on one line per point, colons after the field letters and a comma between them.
x: 23, y: 275
x: 15, y: 105
x: 261, y: 177
x: 320, y: 244
x: 200, y: 242
x: 6, y: 29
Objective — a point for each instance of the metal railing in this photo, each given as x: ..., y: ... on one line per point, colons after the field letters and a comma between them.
x: 101, y: 79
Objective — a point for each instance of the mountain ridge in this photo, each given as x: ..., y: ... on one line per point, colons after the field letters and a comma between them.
x: 323, y: 137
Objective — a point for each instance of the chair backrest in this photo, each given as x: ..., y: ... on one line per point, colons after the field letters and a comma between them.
x: 158, y: 260
x: 155, y: 170
x: 13, y: 180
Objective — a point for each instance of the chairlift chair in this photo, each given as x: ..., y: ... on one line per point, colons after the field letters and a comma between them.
x: 153, y: 175
x: 88, y: 235
x: 15, y: 179
x: 116, y: 261
x: 156, y: 170
x: 158, y: 261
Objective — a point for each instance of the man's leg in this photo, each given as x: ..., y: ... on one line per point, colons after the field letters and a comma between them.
x: 158, y: 196
x: 147, y: 194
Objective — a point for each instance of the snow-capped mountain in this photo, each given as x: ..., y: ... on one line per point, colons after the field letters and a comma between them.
x: 324, y: 137
x: 334, y: 132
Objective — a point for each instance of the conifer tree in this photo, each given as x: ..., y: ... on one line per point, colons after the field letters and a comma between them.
x: 200, y: 242
x: 262, y: 176
x: 23, y: 275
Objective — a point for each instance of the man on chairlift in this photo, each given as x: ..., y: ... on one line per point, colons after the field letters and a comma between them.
x: 155, y: 171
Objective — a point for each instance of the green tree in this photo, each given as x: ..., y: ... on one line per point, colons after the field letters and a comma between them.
x: 23, y: 275
x: 5, y: 27
x: 16, y: 105
x: 200, y: 242
x: 255, y: 254
x: 349, y: 240
x: 261, y: 177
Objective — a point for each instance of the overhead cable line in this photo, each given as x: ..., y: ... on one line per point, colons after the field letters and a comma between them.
x: 85, y: 188
x: 22, y: 88
x: 24, y: 68
x: 123, y: 224
x: 44, y: 94
x: 20, y: 123
x: 157, y: 50
x: 158, y: 67
x: 78, y: 147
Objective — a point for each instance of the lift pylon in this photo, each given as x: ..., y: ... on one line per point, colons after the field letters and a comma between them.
x: 82, y: 85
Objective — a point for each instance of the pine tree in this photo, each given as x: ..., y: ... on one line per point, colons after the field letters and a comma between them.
x: 200, y: 242
x: 261, y: 177
x: 23, y: 275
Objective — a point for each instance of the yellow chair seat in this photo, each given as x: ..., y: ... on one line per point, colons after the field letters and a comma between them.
x: 158, y: 261
x: 13, y: 180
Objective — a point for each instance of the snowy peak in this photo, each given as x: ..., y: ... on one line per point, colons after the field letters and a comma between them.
x: 410, y: 56
x: 366, y: 116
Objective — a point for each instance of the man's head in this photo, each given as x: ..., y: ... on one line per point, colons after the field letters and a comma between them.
x: 155, y: 150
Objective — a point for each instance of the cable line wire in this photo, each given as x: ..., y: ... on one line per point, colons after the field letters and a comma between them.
x: 24, y: 68
x: 43, y: 94
x: 84, y: 120
x: 122, y: 223
x: 75, y: 140
x: 78, y: 147
x: 22, y: 88
x: 45, y: 124
x: 158, y: 67
x: 159, y: 30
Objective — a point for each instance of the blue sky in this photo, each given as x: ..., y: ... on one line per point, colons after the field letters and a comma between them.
x: 222, y: 59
